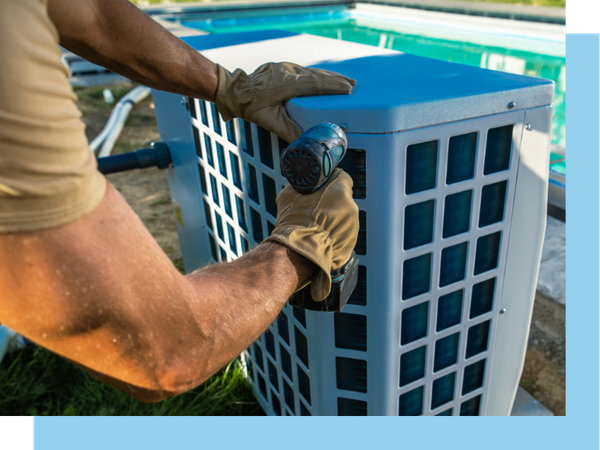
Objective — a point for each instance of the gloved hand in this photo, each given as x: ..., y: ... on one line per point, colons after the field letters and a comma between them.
x: 322, y: 226
x: 259, y: 97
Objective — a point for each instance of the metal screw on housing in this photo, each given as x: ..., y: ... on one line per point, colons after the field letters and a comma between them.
x: 511, y: 105
x: 503, y: 310
x: 528, y: 127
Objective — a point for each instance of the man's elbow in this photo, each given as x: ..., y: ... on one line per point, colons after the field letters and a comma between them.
x: 150, y: 394
x: 164, y: 386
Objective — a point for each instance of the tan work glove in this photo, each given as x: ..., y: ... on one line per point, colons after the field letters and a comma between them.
x: 259, y: 97
x: 322, y: 227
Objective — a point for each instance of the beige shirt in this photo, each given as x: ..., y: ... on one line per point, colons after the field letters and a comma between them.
x: 48, y: 175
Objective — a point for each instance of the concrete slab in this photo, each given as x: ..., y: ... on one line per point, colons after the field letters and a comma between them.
x: 526, y: 405
x: 504, y: 10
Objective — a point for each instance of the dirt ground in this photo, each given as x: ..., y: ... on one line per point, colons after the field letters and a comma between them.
x: 147, y: 192
x: 544, y: 371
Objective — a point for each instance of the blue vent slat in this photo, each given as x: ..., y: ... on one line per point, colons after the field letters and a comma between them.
x: 197, y: 143
x: 449, y: 310
x: 411, y: 403
x: 252, y: 183
x: 303, y: 384
x: 215, y: 191
x: 493, y: 199
x: 351, y: 374
x: 270, y: 194
x: 258, y: 356
x: 443, y: 390
x: 421, y: 167
x: 486, y: 255
x: 446, y: 352
x: 227, y: 200
x: 209, y: 150
x: 262, y: 387
x: 412, y: 366
x: 286, y: 361
x: 461, y: 158
x: 350, y: 331
x: 207, y: 215
x: 273, y: 378
x: 257, y: 232
x: 264, y: 147
x: 246, y: 134
x: 457, y: 213
x: 482, y: 297
x: 418, y: 224
x: 282, y: 327
x: 216, y: 119
x: 300, y: 315
x: 301, y: 347
x: 473, y: 377
x: 288, y: 393
x: 202, y: 179
x: 471, y: 407
x: 351, y: 407
x: 498, y: 149
x: 416, y: 276
x: 414, y: 323
x: 477, y: 339
x: 270, y: 341
x: 454, y: 260
x: 276, y: 404
x: 203, y: 112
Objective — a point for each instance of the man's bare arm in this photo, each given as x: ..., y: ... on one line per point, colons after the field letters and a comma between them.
x: 101, y: 292
x: 117, y: 35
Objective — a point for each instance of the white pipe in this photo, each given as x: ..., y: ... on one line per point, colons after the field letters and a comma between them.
x: 109, y: 124
x: 111, y: 131
x: 115, y: 131
x: 9, y: 340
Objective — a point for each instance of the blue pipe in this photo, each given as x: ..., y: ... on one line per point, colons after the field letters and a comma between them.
x: 156, y: 156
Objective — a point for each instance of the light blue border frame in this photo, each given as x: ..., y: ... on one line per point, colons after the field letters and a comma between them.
x: 579, y: 428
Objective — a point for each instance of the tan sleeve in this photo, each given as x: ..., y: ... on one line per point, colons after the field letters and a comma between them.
x: 48, y: 175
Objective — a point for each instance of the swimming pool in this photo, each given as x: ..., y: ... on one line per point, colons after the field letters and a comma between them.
x: 521, y: 48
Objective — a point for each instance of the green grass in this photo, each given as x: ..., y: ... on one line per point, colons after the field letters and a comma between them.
x: 556, y: 3
x: 95, y: 93
x: 160, y: 202
x: 178, y: 263
x: 34, y: 381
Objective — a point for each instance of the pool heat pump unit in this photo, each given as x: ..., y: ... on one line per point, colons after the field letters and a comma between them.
x: 450, y: 170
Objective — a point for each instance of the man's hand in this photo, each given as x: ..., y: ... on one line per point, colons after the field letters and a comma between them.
x: 260, y: 96
x: 322, y: 227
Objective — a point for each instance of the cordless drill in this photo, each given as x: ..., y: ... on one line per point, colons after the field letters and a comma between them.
x: 307, y: 164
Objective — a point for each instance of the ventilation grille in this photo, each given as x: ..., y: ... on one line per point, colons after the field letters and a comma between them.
x: 458, y: 192
x: 457, y: 189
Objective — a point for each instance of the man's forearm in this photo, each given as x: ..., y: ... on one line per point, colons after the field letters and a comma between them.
x: 117, y: 35
x: 101, y: 293
x: 252, y: 290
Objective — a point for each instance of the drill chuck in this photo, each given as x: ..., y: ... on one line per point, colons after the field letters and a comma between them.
x: 309, y: 161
